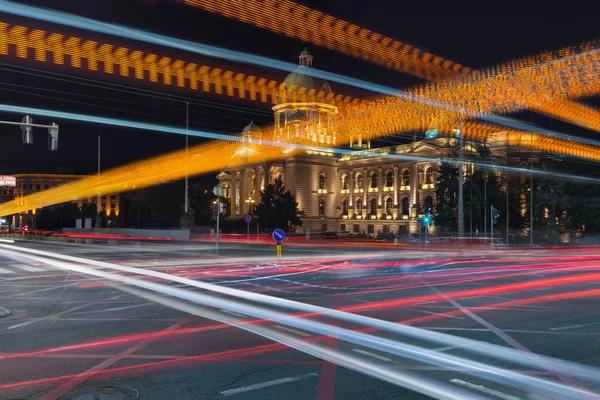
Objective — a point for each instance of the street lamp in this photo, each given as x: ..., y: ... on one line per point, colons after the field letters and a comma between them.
x: 250, y: 203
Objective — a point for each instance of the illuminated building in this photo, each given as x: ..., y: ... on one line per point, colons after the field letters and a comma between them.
x: 7, y: 188
x: 363, y: 192
x: 27, y: 184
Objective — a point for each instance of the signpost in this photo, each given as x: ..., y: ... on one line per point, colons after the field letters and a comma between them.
x: 278, y: 236
x: 248, y: 219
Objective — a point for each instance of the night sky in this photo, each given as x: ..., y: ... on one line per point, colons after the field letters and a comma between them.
x: 475, y: 40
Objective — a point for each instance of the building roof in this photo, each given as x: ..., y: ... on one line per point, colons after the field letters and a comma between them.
x: 251, y: 127
x: 301, y: 79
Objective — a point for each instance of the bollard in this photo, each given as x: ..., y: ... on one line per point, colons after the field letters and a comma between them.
x: 278, y: 249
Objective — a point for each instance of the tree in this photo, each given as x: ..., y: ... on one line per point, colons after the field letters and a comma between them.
x: 446, y: 193
x: 278, y: 206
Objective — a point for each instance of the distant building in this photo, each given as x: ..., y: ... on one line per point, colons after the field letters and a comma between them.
x: 27, y: 184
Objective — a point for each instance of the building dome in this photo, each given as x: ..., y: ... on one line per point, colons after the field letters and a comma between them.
x: 301, y: 79
x: 251, y: 127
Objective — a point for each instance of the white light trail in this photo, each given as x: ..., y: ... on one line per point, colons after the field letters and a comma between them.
x: 392, y: 347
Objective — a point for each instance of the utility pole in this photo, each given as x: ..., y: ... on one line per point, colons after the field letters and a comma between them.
x: 461, y: 208
x: 98, y: 207
x: 485, y: 176
x: 531, y: 193
x: 187, y: 125
x: 507, y: 211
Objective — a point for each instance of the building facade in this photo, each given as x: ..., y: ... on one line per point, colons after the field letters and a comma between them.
x: 27, y: 184
x: 367, y: 190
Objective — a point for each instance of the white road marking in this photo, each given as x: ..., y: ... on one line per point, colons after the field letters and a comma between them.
x: 285, y: 328
x: 113, y: 309
x: 564, y: 328
x: 262, y: 385
x: 372, y: 355
x: 485, y: 390
x: 441, y: 315
x: 27, y: 268
x: 6, y: 271
x: 234, y: 313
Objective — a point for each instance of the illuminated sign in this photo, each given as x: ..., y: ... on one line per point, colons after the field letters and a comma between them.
x: 7, y: 180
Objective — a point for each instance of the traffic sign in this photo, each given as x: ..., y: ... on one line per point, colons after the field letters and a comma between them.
x: 218, y: 190
x: 248, y: 218
x: 278, y: 235
x: 213, y: 206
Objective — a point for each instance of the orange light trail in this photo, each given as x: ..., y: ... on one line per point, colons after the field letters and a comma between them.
x: 78, y: 53
x: 312, y: 26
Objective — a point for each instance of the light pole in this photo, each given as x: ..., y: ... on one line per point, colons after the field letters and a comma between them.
x: 187, y: 124
x: 98, y: 207
x: 461, y: 207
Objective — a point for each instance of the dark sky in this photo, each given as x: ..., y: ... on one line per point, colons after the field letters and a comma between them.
x: 476, y: 40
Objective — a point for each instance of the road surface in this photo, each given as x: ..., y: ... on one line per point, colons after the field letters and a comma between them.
x: 78, y: 326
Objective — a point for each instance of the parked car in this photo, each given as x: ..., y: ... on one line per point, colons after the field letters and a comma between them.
x: 386, y: 236
x: 328, y: 235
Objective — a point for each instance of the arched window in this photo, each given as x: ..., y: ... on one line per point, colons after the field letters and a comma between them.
x: 321, y: 207
x: 405, y: 206
x: 373, y: 210
x: 374, y: 180
x: 389, y: 205
x: 428, y: 175
x: 359, y: 180
x: 428, y: 204
x: 344, y: 182
x: 322, y: 182
x: 345, y: 207
x: 389, y: 179
x: 406, y: 178
x: 253, y: 183
x: 359, y: 206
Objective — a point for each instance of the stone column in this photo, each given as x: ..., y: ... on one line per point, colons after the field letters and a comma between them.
x: 351, y: 188
x: 243, y: 194
x: 233, y: 192
x: 379, y: 187
x: 365, y: 192
x: 396, y: 186
x: 414, y: 184
x: 257, y: 185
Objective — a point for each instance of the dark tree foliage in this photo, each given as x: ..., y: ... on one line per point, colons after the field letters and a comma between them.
x: 277, y: 207
x: 446, y: 193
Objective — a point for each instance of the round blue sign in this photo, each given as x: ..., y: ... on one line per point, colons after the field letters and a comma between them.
x: 278, y: 235
x: 248, y: 218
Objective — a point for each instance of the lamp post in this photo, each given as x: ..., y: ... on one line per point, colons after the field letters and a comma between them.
x: 98, y: 206
x: 250, y: 201
x: 461, y: 208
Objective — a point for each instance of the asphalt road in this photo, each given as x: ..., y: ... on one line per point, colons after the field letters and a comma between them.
x: 71, y: 332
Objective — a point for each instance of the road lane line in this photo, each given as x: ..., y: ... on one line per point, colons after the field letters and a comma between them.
x: 285, y: 328
x: 262, y: 385
x: 27, y: 268
x: 485, y: 390
x: 563, y: 328
x: 372, y: 355
x: 6, y: 271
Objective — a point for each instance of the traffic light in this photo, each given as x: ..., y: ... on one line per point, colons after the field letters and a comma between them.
x: 27, y: 130
x: 427, y: 219
x: 53, y: 137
